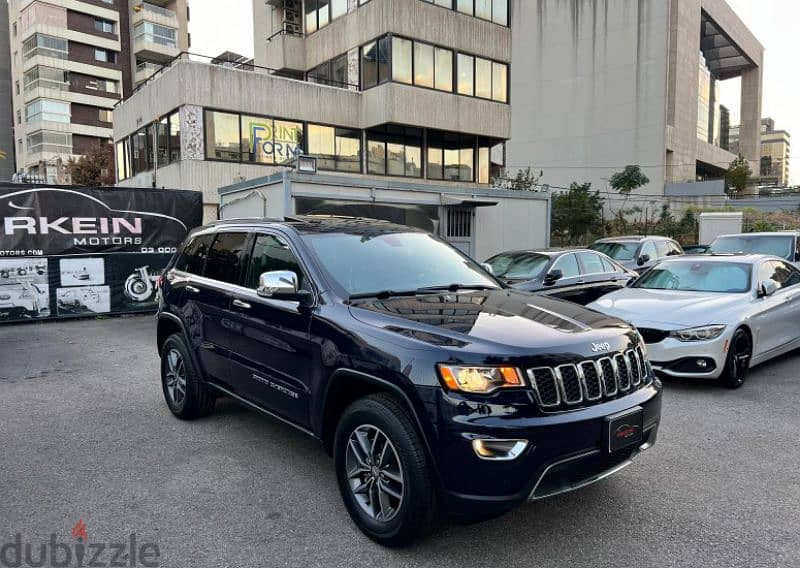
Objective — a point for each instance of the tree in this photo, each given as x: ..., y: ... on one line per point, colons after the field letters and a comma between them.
x: 632, y: 177
x: 738, y: 174
x: 578, y: 212
x: 94, y: 168
x: 525, y: 180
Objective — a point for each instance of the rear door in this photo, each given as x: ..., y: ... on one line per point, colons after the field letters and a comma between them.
x: 599, y: 276
x: 208, y: 299
x: 569, y: 286
x: 272, y: 359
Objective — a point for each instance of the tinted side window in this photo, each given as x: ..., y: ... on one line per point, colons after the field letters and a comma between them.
x: 270, y: 253
x: 194, y: 255
x: 226, y: 257
x: 568, y: 264
x: 608, y: 266
x: 591, y: 263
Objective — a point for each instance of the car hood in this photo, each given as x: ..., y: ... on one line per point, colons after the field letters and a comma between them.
x: 670, y: 308
x: 493, y: 321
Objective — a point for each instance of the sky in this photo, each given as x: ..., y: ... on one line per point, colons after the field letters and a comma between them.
x: 216, y: 29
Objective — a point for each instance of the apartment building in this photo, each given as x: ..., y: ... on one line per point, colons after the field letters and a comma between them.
x: 403, y: 106
x: 776, y: 148
x: 6, y: 111
x: 71, y: 62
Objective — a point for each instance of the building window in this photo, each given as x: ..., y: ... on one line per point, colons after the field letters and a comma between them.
x: 105, y: 26
x: 336, y: 149
x: 332, y: 73
x: 49, y: 110
x: 122, y: 159
x: 154, y: 33
x: 268, y: 141
x: 14, y: 29
x: 394, y: 151
x: 483, y: 78
x: 491, y: 10
x: 54, y: 142
x: 41, y: 77
x: 162, y: 142
x: 451, y: 156
x: 442, y: 3
x: 423, y: 65
x: 105, y: 55
x: 141, y: 151
x: 19, y: 117
x: 499, y: 82
x: 319, y: 13
x: 45, y: 46
x: 16, y: 86
x: 376, y: 60
x: 175, y: 137
x: 105, y: 115
x: 444, y: 69
x: 223, y: 140
x: 466, y: 74
x: 402, y: 60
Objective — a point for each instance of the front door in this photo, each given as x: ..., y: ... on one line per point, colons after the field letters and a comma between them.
x: 271, y: 359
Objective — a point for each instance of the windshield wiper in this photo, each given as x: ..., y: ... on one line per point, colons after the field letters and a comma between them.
x: 383, y: 294
x: 455, y: 288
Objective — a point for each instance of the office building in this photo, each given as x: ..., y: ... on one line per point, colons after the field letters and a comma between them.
x: 72, y: 60
x: 603, y: 84
x: 404, y: 105
x: 775, y: 154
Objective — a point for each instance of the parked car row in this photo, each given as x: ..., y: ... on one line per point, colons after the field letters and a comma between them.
x: 712, y: 311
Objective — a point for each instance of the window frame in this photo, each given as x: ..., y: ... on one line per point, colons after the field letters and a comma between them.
x: 563, y: 258
x: 244, y: 261
x: 455, y: 8
x: 362, y: 138
x: 310, y: 277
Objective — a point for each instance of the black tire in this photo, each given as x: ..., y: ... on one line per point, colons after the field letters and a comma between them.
x: 197, y: 400
x: 737, y: 363
x: 413, y: 514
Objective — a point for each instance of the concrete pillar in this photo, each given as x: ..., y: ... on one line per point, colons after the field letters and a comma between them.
x: 750, y: 133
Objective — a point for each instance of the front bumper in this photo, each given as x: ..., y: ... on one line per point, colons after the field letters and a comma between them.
x: 679, y: 358
x: 566, y: 450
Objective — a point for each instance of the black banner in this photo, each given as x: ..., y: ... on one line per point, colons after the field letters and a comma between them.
x: 67, y: 251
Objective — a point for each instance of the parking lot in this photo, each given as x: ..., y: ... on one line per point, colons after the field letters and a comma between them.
x: 86, y: 435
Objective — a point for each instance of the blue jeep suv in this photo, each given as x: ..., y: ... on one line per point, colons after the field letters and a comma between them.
x: 434, y: 386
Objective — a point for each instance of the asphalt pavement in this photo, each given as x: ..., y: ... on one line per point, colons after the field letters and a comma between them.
x: 87, y: 437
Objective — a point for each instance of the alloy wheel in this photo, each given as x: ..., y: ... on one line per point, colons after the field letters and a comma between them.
x: 175, y: 377
x: 374, y: 473
x: 740, y: 356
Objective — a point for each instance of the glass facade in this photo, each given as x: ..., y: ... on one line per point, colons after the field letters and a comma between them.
x: 158, y: 143
x: 48, y: 110
x: 332, y: 73
x: 155, y: 33
x: 269, y: 141
x: 319, y: 13
x: 412, y: 62
x: 395, y: 151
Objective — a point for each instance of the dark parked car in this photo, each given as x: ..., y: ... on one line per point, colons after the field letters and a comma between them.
x: 432, y: 384
x: 580, y: 276
x: 638, y: 253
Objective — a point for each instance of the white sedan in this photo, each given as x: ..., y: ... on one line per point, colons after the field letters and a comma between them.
x: 712, y: 316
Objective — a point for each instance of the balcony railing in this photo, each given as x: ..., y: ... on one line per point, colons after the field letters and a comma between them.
x: 152, y: 8
x: 147, y: 66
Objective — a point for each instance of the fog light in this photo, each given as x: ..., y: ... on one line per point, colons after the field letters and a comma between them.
x: 702, y: 363
x: 500, y: 450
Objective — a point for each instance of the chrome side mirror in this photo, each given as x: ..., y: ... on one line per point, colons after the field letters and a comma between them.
x: 767, y: 288
x: 487, y: 267
x: 278, y: 284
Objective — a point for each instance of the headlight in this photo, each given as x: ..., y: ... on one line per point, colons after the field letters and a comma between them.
x: 704, y: 333
x: 481, y: 380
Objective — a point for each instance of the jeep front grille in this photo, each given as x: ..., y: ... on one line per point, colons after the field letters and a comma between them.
x: 576, y: 385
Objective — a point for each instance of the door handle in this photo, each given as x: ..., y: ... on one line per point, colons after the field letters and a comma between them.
x: 241, y: 304
x: 192, y: 289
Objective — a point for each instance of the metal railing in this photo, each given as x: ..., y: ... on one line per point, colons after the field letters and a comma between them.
x: 144, y: 6
x: 244, y: 66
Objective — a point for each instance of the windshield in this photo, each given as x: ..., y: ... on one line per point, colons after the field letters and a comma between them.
x: 518, y: 265
x: 696, y: 276
x: 397, y: 262
x: 617, y: 251
x: 778, y: 245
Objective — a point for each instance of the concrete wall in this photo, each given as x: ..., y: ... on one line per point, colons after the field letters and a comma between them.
x: 588, y: 89
x: 512, y: 224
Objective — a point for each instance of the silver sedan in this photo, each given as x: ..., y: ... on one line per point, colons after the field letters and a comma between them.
x: 712, y: 316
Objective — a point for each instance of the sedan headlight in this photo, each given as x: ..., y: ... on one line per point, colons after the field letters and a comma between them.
x: 481, y: 380
x: 703, y: 333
